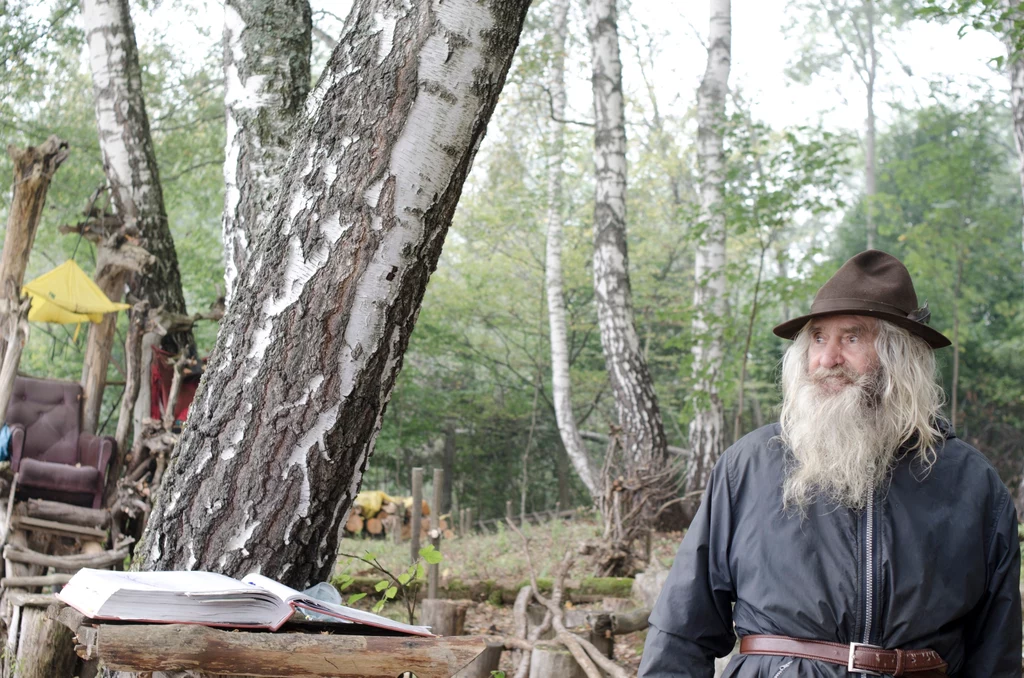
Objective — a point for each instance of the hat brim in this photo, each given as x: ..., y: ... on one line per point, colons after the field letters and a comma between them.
x: 934, y: 338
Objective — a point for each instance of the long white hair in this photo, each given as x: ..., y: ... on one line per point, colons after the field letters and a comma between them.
x: 843, y: 446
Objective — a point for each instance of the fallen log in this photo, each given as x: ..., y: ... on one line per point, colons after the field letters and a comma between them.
x: 66, y: 513
x: 17, y: 554
x: 587, y: 590
x: 180, y: 647
x: 30, y: 582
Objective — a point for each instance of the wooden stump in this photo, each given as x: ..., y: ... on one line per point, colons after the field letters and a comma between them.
x: 45, y: 648
x: 485, y: 663
x: 551, y: 659
x: 444, y: 617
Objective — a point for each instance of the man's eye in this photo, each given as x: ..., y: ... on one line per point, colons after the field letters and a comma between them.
x: 853, y: 338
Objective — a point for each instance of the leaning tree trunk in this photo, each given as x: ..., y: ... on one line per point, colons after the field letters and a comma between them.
x: 708, y: 425
x: 267, y: 45
x: 643, y: 436
x: 560, y: 382
x: 283, y: 425
x: 129, y: 161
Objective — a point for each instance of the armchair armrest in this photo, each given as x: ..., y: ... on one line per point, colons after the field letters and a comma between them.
x: 95, y: 451
x: 17, y: 445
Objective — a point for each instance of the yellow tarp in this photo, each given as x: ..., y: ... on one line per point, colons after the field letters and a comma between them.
x: 371, y: 501
x: 67, y: 295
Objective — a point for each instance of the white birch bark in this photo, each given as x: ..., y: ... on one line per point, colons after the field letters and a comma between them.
x: 291, y: 403
x: 643, y: 436
x: 708, y: 425
x: 870, y: 180
x: 129, y: 163
x: 560, y: 382
x: 1015, y: 65
x: 267, y: 46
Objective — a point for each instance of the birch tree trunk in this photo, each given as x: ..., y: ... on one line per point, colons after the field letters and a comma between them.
x: 560, y: 382
x: 267, y: 45
x: 1015, y: 64
x: 643, y: 436
x: 291, y: 403
x: 708, y: 426
x: 870, y: 181
x: 129, y: 161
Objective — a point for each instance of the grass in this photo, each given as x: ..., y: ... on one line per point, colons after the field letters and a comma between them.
x: 497, y: 557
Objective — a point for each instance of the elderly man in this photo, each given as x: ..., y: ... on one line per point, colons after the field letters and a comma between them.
x: 858, y: 535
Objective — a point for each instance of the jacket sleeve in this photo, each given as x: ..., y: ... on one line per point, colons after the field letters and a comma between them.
x: 691, y: 623
x: 993, y: 631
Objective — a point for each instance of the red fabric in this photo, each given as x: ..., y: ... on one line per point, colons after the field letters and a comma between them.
x: 161, y: 375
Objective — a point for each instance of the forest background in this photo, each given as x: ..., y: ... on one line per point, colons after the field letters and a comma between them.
x: 474, y: 394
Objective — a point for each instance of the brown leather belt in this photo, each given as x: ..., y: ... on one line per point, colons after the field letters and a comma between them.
x: 856, y: 657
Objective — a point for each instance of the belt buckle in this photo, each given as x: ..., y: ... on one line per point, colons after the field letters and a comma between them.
x: 849, y: 662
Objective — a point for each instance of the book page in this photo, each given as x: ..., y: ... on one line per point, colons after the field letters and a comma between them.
x: 279, y: 590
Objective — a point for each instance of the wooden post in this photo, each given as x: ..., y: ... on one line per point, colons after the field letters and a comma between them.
x: 417, y: 510
x: 435, y: 508
x: 486, y: 662
x: 462, y: 522
x: 444, y: 617
x: 433, y: 570
x: 469, y: 521
x: 508, y: 510
x: 34, y: 167
x: 552, y: 659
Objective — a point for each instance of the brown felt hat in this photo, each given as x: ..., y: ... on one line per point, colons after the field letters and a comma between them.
x: 872, y: 283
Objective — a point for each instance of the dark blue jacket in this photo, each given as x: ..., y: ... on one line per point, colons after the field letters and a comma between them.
x: 935, y: 565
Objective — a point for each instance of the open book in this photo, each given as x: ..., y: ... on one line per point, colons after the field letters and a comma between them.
x: 209, y: 599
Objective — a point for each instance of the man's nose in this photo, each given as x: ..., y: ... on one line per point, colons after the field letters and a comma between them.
x: 831, y: 355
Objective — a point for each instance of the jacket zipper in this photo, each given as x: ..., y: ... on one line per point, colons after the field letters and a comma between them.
x: 869, y: 570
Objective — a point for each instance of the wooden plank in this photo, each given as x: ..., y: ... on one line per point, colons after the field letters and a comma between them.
x: 64, y: 529
x: 180, y: 647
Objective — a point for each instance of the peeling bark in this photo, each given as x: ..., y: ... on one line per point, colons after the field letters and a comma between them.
x: 267, y: 46
x: 34, y: 167
x: 708, y: 425
x: 129, y: 161
x: 643, y: 435
x: 291, y: 403
x: 560, y: 382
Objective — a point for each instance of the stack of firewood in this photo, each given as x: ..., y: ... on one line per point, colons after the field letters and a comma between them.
x: 377, y: 514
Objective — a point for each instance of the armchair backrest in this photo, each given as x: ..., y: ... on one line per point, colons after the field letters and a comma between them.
x: 50, y: 411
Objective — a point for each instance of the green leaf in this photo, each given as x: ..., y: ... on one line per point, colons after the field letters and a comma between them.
x: 421, y: 571
x: 391, y: 592
x: 355, y: 597
x: 381, y: 585
x: 370, y: 555
x: 404, y: 578
x: 378, y: 606
x: 430, y: 554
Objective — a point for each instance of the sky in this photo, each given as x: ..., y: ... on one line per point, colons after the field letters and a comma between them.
x: 761, y: 51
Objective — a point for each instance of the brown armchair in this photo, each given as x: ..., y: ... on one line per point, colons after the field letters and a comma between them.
x: 53, y: 458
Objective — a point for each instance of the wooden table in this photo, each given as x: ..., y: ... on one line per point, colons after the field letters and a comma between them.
x: 188, y: 647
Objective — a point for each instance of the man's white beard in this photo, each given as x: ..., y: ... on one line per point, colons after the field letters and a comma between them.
x: 843, y: 447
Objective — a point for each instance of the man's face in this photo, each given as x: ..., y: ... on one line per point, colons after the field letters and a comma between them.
x: 842, y: 349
